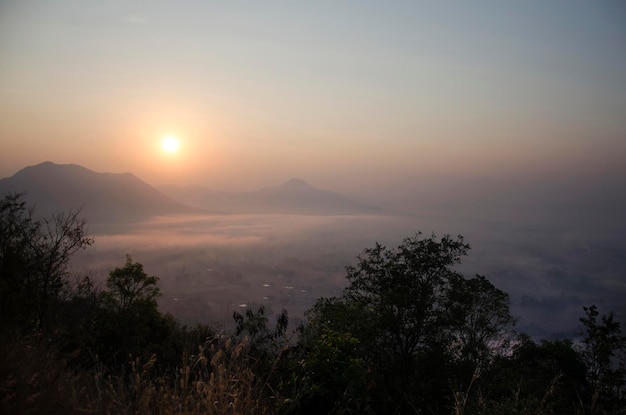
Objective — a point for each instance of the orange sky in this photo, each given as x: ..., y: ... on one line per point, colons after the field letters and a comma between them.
x: 347, y: 96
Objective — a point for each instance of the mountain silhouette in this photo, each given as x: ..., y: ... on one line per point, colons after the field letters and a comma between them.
x: 296, y: 183
x: 295, y: 196
x: 103, y: 197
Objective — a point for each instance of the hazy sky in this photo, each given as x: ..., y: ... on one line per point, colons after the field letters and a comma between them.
x: 345, y: 94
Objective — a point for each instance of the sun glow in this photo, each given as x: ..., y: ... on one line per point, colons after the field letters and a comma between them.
x: 170, y: 144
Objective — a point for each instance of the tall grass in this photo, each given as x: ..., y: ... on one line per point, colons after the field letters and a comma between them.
x: 218, y: 380
x: 35, y: 380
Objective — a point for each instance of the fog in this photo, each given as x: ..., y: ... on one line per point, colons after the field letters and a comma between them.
x: 501, y: 122
x: 554, y: 242
x: 212, y: 265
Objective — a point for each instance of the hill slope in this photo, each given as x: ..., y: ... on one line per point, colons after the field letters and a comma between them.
x: 293, y: 197
x: 104, y: 197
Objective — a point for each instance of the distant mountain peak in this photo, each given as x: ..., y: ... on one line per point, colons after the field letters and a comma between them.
x: 297, y: 183
x: 294, y: 196
x: 104, y: 197
x: 51, y: 165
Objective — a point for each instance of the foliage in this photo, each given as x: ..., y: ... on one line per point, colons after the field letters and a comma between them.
x: 409, y: 334
x: 34, y: 379
x: 545, y: 377
x: 415, y: 320
x: 479, y: 321
x: 333, y: 376
x: 34, y: 255
x: 402, y: 293
x: 128, y: 321
x: 604, y: 352
x: 268, y: 350
x: 131, y: 287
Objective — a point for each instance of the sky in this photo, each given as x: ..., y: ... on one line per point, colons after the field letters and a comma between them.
x: 349, y: 95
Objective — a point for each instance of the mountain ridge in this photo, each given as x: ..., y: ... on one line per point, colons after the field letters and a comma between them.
x: 295, y: 196
x: 103, y: 197
x: 123, y: 197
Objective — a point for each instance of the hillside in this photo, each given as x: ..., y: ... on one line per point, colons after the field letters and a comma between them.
x: 103, y: 197
x: 295, y: 196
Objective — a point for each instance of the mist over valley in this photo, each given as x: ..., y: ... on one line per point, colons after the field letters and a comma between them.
x: 216, y: 255
x: 312, y: 207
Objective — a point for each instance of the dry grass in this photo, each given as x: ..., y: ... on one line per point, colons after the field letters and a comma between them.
x: 516, y: 404
x: 218, y: 380
x: 34, y: 380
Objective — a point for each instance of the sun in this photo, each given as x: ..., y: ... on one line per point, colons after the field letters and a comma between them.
x: 170, y: 144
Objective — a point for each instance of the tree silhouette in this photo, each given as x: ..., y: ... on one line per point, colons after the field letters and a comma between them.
x: 130, y: 285
x: 414, y: 318
x: 34, y: 254
x: 604, y: 352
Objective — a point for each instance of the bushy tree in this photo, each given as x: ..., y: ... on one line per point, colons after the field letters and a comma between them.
x: 129, y: 322
x: 480, y: 323
x: 333, y: 376
x: 604, y: 352
x: 415, y: 318
x: 266, y: 348
x: 546, y: 377
x: 129, y: 286
x: 34, y: 257
x: 119, y: 322
x: 254, y: 326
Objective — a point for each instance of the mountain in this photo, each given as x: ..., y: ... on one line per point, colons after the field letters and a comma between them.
x: 103, y: 197
x: 295, y: 196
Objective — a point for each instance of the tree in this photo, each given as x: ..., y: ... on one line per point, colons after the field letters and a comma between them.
x: 17, y: 229
x: 479, y: 318
x: 404, y: 290
x: 254, y: 326
x: 604, y: 352
x: 546, y: 377
x: 130, y: 285
x: 129, y: 322
x: 266, y: 349
x: 332, y: 373
x: 414, y: 317
x: 34, y: 257
x: 401, y: 293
